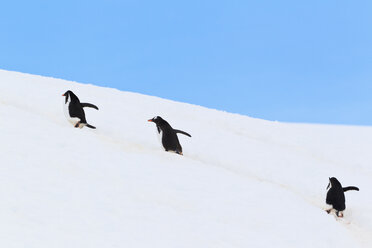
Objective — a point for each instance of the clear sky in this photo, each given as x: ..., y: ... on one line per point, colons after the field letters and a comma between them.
x: 287, y: 60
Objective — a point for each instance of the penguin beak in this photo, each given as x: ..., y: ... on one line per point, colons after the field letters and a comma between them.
x: 63, y: 95
x: 150, y: 120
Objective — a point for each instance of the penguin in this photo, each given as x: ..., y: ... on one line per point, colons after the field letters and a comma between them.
x: 168, y: 135
x: 74, y: 110
x: 336, y: 196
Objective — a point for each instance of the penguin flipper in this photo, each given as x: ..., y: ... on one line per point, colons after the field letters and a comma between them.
x: 350, y: 188
x: 182, y: 132
x: 88, y: 105
x: 90, y: 126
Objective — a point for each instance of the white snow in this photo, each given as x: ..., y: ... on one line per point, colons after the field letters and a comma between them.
x: 242, y: 182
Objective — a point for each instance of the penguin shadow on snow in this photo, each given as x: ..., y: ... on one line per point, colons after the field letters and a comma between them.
x: 74, y: 110
x: 168, y: 136
x: 336, y: 196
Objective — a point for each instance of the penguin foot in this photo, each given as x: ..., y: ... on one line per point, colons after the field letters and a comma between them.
x: 177, y: 152
x: 339, y: 214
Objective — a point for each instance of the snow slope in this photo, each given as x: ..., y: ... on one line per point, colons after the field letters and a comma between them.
x: 242, y: 182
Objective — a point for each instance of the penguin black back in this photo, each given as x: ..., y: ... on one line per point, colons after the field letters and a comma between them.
x: 74, y: 110
x: 336, y: 195
x: 168, y: 135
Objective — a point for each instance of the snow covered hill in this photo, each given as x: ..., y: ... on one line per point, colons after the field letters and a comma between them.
x: 242, y: 182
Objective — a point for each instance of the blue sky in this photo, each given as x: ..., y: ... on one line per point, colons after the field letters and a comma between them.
x: 295, y: 61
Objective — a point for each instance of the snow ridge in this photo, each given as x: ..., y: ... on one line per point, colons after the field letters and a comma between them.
x: 242, y: 182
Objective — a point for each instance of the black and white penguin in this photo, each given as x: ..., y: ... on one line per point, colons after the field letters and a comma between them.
x: 336, y: 196
x: 74, y: 111
x: 168, y: 135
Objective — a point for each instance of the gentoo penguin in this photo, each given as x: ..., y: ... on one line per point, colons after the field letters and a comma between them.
x: 336, y: 196
x: 74, y: 110
x: 168, y: 135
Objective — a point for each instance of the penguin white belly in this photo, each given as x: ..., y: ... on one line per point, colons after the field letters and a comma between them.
x: 328, y: 206
x: 160, y: 136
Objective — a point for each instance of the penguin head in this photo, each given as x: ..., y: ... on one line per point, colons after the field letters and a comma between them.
x: 157, y: 120
x: 333, y: 182
x: 70, y: 96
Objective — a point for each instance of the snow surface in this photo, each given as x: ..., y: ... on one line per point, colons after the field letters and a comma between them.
x: 242, y: 182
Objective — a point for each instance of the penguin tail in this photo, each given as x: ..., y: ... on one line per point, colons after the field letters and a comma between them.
x: 182, y: 132
x: 350, y: 188
x: 88, y: 105
x: 90, y: 126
